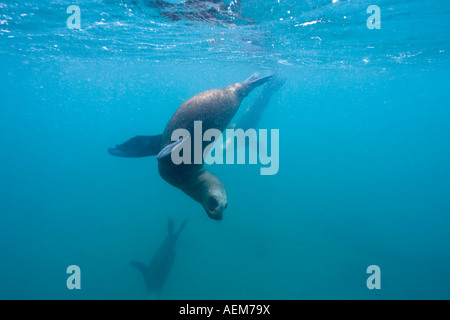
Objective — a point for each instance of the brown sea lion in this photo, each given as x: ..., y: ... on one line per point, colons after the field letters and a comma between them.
x: 214, y: 108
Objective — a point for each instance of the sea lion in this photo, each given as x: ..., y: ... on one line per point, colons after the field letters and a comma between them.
x: 155, y: 274
x: 214, y: 108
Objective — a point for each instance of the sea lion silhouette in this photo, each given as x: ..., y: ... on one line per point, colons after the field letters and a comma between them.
x: 155, y: 274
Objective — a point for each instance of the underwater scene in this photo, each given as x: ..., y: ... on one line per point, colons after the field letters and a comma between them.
x: 215, y: 150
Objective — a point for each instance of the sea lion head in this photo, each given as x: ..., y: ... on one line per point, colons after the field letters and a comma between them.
x: 200, y: 184
x: 214, y: 197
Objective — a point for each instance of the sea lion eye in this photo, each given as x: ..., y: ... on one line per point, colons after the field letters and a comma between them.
x: 212, y: 203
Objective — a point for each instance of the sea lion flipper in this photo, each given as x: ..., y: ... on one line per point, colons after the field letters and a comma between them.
x: 256, y: 80
x: 139, y: 265
x: 167, y: 150
x: 139, y: 146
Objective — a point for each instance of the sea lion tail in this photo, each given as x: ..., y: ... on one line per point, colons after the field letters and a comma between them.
x: 170, y: 224
x: 181, y: 227
x: 274, y: 85
x: 256, y: 80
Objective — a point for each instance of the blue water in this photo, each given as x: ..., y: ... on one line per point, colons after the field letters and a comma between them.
x: 364, y: 176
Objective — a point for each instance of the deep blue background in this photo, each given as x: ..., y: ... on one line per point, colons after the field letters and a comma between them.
x: 364, y: 152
